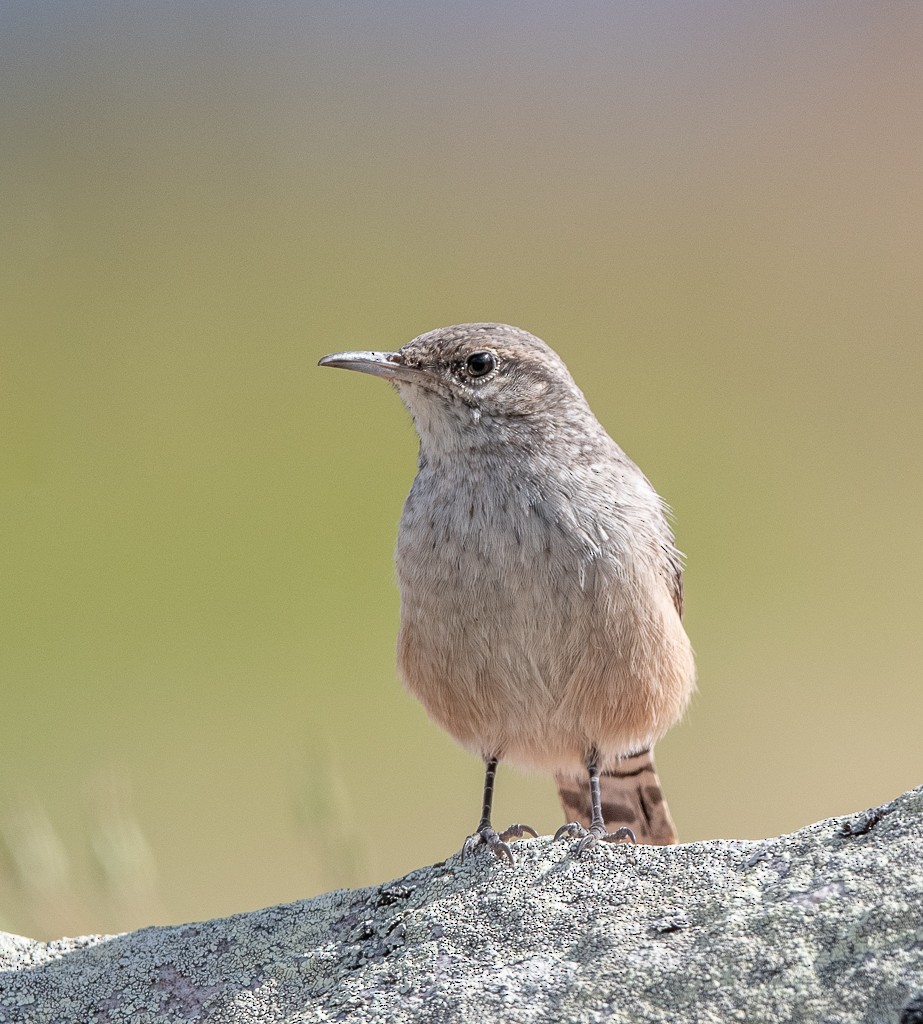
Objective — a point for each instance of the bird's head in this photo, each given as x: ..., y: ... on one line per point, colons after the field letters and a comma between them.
x: 475, y: 383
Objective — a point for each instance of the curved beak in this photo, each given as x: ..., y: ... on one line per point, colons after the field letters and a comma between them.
x: 389, y: 365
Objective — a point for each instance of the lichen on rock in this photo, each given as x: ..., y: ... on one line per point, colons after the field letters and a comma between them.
x: 825, y: 924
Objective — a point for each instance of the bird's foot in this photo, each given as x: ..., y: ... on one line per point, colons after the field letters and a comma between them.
x: 495, y: 842
x: 593, y: 835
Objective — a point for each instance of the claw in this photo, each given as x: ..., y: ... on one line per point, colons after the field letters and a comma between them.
x: 496, y: 843
x: 618, y: 835
x: 589, y: 840
x: 595, y: 834
x: 469, y: 845
x: 518, y: 831
x: 501, y: 849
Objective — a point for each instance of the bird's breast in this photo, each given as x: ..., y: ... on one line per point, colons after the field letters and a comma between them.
x: 472, y: 531
x: 503, y: 568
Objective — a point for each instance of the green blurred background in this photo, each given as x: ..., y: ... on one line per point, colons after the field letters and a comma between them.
x: 713, y: 211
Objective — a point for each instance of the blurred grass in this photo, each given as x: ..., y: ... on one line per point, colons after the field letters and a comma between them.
x: 714, y: 215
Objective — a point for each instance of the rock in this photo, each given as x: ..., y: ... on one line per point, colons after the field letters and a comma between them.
x: 825, y: 925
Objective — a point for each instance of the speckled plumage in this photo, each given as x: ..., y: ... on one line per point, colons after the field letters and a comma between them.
x: 541, y: 592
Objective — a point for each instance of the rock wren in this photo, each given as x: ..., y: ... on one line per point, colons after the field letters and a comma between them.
x: 541, y: 589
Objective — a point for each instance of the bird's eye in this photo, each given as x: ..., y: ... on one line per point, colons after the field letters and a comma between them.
x: 479, y: 364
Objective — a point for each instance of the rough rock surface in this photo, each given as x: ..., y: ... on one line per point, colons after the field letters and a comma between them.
x: 825, y: 925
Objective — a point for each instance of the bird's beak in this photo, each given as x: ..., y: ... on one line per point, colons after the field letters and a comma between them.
x: 389, y: 365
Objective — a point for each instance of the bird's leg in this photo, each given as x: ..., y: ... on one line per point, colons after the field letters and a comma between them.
x: 496, y: 843
x: 597, y: 831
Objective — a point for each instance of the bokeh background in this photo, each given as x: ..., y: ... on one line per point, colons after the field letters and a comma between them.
x: 713, y: 211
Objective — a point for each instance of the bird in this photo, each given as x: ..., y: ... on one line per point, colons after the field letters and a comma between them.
x: 541, y: 589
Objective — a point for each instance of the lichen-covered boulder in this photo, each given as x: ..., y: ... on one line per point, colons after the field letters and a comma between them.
x: 825, y: 925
